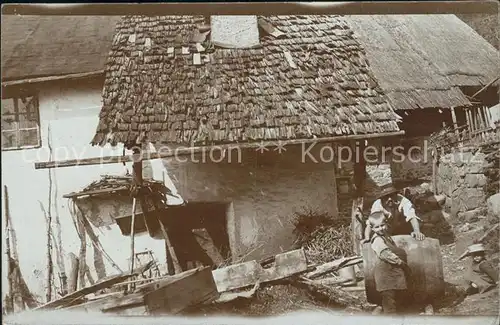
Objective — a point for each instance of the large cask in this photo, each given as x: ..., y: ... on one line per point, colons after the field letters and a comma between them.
x: 424, y: 259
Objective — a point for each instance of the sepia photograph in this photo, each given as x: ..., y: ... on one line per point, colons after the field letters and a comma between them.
x: 243, y: 162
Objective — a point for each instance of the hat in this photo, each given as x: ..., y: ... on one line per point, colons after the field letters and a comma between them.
x: 376, y: 218
x: 475, y: 248
x: 387, y: 190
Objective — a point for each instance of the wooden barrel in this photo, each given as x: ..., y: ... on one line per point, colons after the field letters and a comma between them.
x: 424, y: 259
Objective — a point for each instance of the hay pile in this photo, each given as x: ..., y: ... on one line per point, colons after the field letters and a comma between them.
x: 322, y: 237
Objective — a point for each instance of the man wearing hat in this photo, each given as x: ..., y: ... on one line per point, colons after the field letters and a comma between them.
x: 481, y: 274
x: 400, y: 214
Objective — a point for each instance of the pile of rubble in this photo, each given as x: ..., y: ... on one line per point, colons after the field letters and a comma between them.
x: 131, y: 293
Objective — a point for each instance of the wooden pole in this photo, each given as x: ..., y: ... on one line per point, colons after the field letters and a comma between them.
x: 10, y: 302
x: 50, y: 265
x: 73, y: 276
x: 455, y: 125
x: 486, y: 116
x: 357, y: 204
x: 197, y: 150
x: 434, y: 170
x: 335, y: 198
x: 467, y: 118
x: 82, y: 258
x: 132, y: 236
x: 89, y: 275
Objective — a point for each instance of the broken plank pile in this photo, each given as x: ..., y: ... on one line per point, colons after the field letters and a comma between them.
x: 292, y: 268
x: 167, y: 295
x: 174, y: 294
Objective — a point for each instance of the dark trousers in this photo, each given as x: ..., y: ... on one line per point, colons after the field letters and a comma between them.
x: 391, y: 301
x: 401, y: 228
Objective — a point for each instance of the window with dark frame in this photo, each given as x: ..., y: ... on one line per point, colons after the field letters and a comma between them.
x: 20, y: 123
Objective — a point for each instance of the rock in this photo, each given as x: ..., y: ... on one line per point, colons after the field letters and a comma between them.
x: 470, y: 216
x: 465, y: 239
x: 465, y: 227
x: 434, y: 202
x: 470, y: 198
x: 434, y: 217
x: 460, y: 158
x: 475, y: 180
x: 493, y: 204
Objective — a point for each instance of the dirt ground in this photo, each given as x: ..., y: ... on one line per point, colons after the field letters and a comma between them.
x: 487, y: 303
x: 283, y: 298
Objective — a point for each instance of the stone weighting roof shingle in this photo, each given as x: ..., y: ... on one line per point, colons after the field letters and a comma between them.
x: 312, y: 82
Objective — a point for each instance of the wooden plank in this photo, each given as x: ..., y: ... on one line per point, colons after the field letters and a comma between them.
x: 230, y: 296
x: 246, y: 274
x: 85, y: 291
x: 193, y: 289
x: 333, y: 266
x: 165, y: 280
x: 170, y: 295
x: 196, y: 150
x: 93, y: 305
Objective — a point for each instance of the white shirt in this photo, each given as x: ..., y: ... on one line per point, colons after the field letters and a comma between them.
x: 405, y: 207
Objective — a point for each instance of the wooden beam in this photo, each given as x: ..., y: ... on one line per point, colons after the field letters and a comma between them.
x: 197, y: 150
x: 357, y: 204
x: 455, y: 125
x: 484, y: 88
x: 434, y: 170
x: 53, y: 78
x: 255, y: 8
x: 468, y: 119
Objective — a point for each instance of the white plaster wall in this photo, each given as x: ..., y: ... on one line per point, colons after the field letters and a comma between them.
x: 495, y: 113
x: 71, y: 111
x: 266, y: 190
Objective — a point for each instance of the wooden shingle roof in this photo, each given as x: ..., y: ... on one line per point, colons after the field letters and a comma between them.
x: 153, y: 91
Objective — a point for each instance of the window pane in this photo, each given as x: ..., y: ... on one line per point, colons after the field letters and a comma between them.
x: 8, y: 123
x: 25, y: 124
x: 9, y: 139
x: 29, y: 106
x: 28, y: 138
x: 8, y: 106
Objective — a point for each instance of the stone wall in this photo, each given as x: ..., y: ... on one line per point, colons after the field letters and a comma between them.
x: 462, y: 179
x: 413, y: 161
